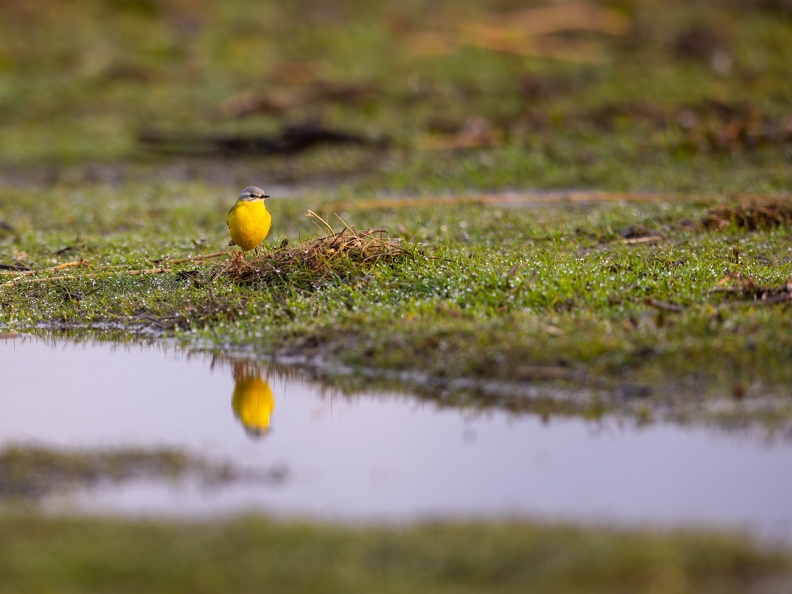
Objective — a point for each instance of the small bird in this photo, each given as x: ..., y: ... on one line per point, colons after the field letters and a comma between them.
x: 252, y: 400
x: 248, y: 220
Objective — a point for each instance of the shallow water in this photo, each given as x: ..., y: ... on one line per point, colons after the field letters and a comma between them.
x: 378, y: 457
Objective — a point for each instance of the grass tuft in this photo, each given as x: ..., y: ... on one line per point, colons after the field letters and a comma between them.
x: 345, y: 253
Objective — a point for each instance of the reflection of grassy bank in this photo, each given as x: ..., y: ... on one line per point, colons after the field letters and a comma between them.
x: 34, y: 472
x: 257, y: 555
x: 29, y: 473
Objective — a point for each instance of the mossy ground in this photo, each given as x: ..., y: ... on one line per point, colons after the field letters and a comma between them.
x: 683, y: 96
x: 481, y: 291
x: 688, y: 99
x: 250, y: 554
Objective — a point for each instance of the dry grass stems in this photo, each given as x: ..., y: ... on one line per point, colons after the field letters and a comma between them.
x: 745, y: 288
x: 751, y: 214
x: 344, y: 253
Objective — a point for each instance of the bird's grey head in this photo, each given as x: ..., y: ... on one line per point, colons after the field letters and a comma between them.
x: 252, y: 193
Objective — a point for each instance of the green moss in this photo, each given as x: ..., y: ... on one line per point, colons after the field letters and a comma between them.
x: 486, y: 291
x: 253, y: 554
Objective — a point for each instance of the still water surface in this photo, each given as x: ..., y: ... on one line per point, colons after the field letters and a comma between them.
x: 378, y: 457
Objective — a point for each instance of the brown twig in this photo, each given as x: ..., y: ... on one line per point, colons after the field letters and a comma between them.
x: 312, y: 214
x: 80, y: 262
x: 664, y: 305
x: 649, y: 239
x: 52, y: 279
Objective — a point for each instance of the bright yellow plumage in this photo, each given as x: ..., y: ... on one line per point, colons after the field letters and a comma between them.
x: 252, y: 401
x: 248, y: 220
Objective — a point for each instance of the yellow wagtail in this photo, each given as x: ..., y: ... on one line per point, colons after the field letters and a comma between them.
x: 248, y: 220
x: 252, y: 400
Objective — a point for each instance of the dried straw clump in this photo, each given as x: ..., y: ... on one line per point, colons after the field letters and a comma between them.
x: 740, y: 286
x: 344, y: 253
x: 751, y: 214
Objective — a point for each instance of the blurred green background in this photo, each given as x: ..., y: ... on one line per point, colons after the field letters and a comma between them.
x: 627, y: 94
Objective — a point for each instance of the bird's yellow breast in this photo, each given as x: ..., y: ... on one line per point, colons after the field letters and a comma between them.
x: 253, y: 403
x: 249, y: 222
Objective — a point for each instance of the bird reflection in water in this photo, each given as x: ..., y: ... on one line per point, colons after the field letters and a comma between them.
x: 252, y: 401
